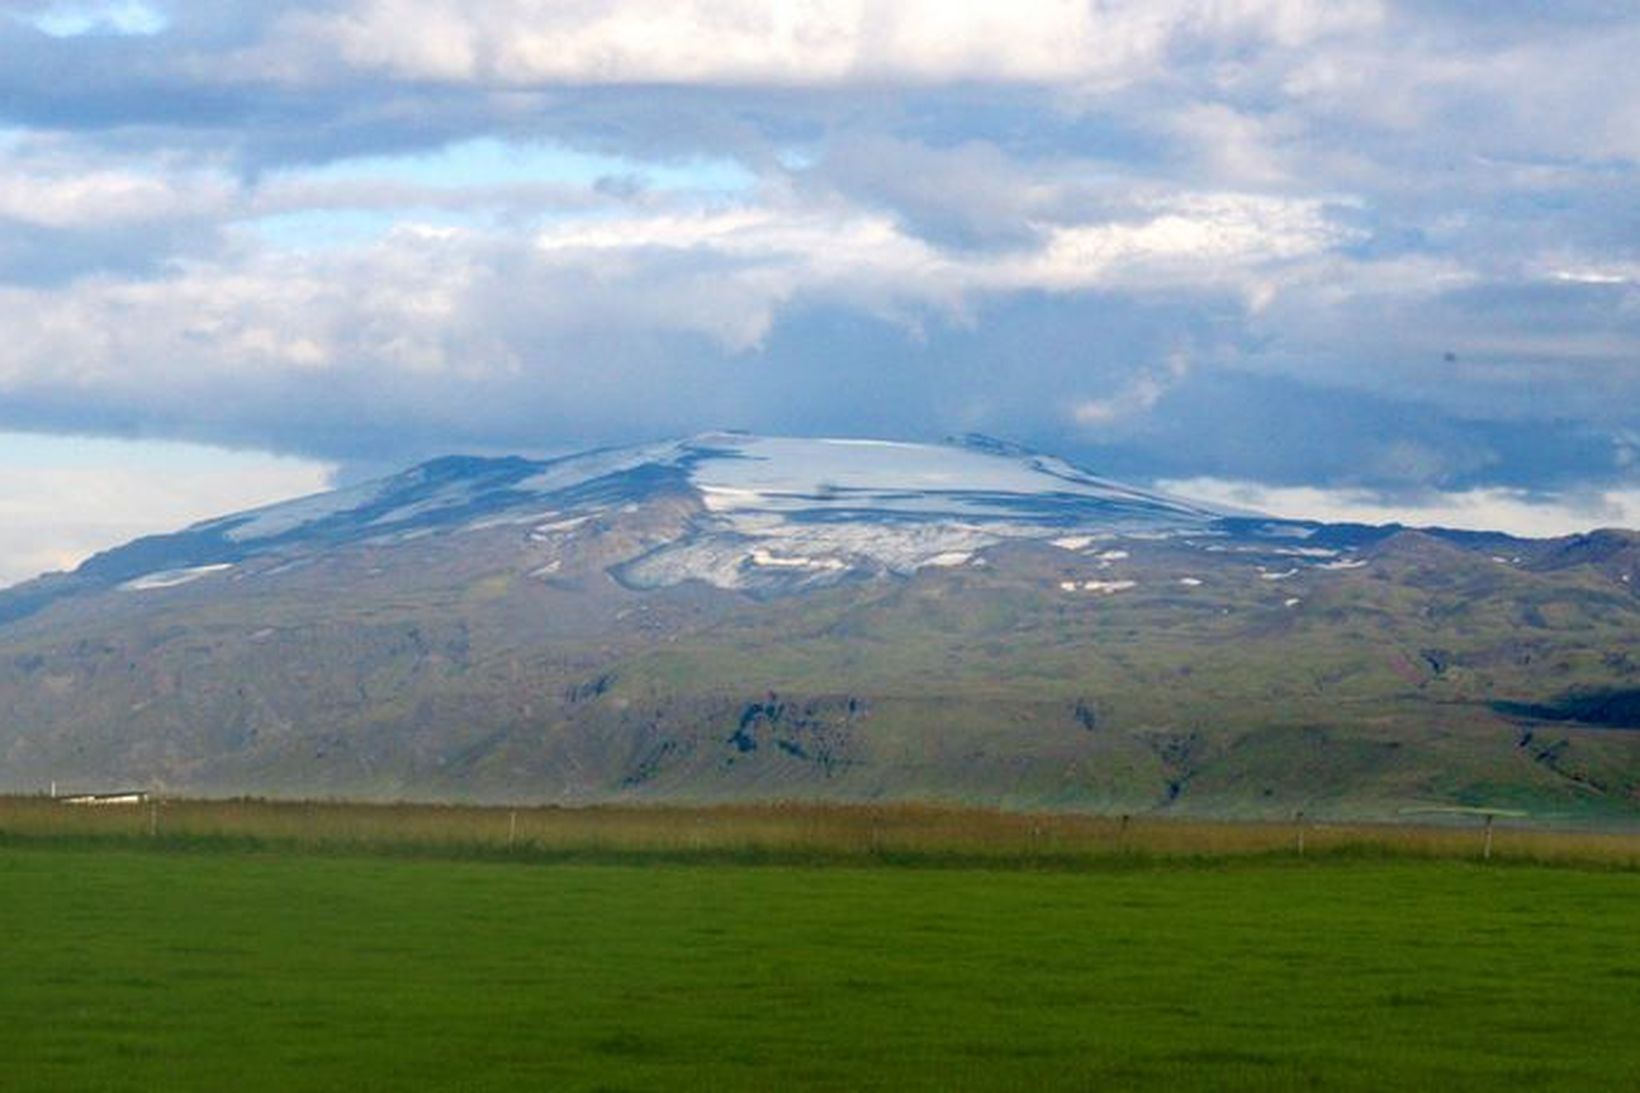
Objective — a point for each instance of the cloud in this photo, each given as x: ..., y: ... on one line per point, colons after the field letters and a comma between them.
x: 87, y: 198
x: 1140, y: 395
x: 435, y: 300
x: 62, y: 500
x: 743, y: 42
x: 72, y: 20
x: 1525, y: 346
x: 1396, y: 243
x: 1514, y: 511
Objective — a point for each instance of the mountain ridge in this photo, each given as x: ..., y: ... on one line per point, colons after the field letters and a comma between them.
x: 732, y: 616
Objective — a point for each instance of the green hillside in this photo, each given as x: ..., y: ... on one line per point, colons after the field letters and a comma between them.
x: 1216, y: 685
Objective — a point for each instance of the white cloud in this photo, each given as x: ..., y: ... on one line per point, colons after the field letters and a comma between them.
x: 1496, y: 509
x: 818, y: 43
x: 101, y: 197
x: 1240, y: 147
x: 428, y: 300
x: 73, y: 19
x: 1620, y: 274
x: 1141, y: 394
x: 869, y: 260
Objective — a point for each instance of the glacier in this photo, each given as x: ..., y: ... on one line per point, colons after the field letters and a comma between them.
x: 758, y: 514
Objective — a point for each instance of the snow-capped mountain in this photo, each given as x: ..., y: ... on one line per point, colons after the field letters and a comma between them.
x: 763, y: 514
x: 733, y: 616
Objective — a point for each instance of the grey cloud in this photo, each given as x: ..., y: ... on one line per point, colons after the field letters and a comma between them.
x: 1506, y: 19
x: 1473, y: 153
x: 44, y: 257
x: 1519, y: 349
x: 1285, y: 431
x: 1017, y: 368
x: 971, y: 194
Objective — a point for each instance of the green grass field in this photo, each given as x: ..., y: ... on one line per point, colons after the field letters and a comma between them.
x: 283, y: 969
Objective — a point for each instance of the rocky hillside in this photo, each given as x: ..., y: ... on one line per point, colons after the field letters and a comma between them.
x: 732, y: 616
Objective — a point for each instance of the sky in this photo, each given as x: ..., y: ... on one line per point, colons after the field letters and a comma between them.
x: 1333, y: 258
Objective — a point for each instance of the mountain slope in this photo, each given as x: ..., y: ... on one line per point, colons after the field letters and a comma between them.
x: 734, y: 616
x: 797, y: 511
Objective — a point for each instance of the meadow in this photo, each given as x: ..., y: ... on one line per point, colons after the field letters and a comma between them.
x: 795, y: 833
x: 203, y: 946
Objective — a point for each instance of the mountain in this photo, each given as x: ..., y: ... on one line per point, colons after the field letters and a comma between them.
x: 735, y: 616
x: 764, y: 514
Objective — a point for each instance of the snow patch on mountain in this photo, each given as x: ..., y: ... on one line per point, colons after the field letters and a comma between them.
x: 171, y: 578
x: 1104, y: 587
x: 820, y: 479
x: 765, y: 556
x: 577, y: 470
x: 287, y: 516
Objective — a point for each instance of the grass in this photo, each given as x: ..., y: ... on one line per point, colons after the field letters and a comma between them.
x: 791, y: 833
x: 126, y: 968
